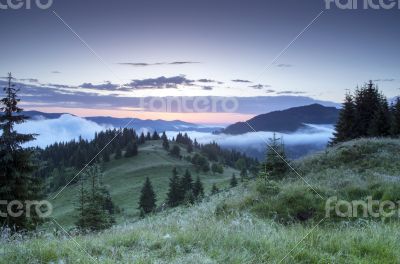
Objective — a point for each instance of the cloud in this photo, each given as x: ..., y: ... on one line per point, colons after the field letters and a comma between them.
x: 208, y: 87
x: 291, y: 92
x: 105, y: 86
x: 32, y: 80
x: 55, y: 72
x: 206, y: 81
x: 241, y: 81
x: 160, y: 82
x: 384, y: 80
x: 311, y: 135
x: 269, y: 91
x: 259, y: 86
x: 64, y: 128
x: 284, y: 65
x: 145, y: 64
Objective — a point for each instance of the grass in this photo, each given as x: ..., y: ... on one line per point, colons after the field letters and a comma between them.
x: 125, y: 178
x: 227, y: 228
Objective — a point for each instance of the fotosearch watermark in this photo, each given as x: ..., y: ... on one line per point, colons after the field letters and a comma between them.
x: 187, y: 104
x: 25, y: 4
x: 360, y: 208
x: 363, y: 4
x: 15, y: 208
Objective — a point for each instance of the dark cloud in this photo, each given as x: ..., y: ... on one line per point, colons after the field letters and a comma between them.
x: 384, y: 80
x: 284, y: 65
x: 259, y: 86
x: 108, y: 86
x: 160, y: 82
x: 55, y: 72
x: 241, y: 81
x: 145, y: 64
x: 29, y: 80
x: 291, y: 92
x: 33, y: 95
x: 208, y: 87
x: 206, y: 81
x: 269, y: 91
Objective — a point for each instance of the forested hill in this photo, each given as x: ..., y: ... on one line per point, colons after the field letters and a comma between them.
x: 288, y: 120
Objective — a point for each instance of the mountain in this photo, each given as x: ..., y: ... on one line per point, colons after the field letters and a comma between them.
x: 135, y: 123
x: 288, y: 120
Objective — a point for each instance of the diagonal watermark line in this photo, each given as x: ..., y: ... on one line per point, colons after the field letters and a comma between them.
x: 87, y: 45
x: 291, y: 43
x: 287, y: 163
x: 87, y: 164
x: 76, y: 243
x: 301, y: 240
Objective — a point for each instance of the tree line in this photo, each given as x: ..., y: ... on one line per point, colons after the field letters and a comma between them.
x: 367, y: 113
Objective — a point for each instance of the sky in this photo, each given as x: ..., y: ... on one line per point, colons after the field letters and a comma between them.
x: 97, y: 57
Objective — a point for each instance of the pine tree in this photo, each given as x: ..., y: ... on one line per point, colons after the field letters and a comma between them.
x: 131, y: 150
x: 147, y: 201
x: 233, y: 180
x: 16, y: 165
x: 198, y: 190
x: 275, y: 161
x: 345, y: 129
x: 395, y: 120
x: 92, y: 211
x: 367, y: 102
x: 380, y: 123
x: 175, y: 192
x: 214, y: 189
x: 187, y: 182
x: 118, y: 152
x: 165, y: 143
x: 155, y: 136
x: 142, y: 138
x: 176, y: 151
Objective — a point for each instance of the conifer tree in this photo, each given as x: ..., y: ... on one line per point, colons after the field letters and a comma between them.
x: 165, y: 142
x: 275, y: 161
x: 380, y: 123
x: 155, y: 136
x: 148, y: 136
x: 214, y: 189
x: 187, y: 182
x: 142, y: 138
x: 345, y: 129
x: 147, y: 201
x: 175, y: 192
x: 118, y: 152
x: 131, y: 149
x: 233, y: 181
x: 367, y: 102
x: 16, y: 165
x: 92, y: 212
x: 198, y: 190
x: 395, y: 120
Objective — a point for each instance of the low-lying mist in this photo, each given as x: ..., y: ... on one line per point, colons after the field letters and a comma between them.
x: 68, y: 127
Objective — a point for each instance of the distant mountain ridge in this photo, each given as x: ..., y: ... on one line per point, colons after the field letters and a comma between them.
x: 136, y: 123
x: 288, y: 120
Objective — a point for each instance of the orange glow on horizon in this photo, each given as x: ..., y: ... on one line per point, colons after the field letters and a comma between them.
x: 198, y: 118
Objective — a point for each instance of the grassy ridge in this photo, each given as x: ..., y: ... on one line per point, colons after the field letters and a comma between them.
x: 125, y: 178
x: 227, y: 228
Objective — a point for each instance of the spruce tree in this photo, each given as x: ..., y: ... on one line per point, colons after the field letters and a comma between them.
x: 16, y: 165
x: 395, y: 118
x: 380, y: 123
x: 275, y: 161
x: 175, y: 191
x: 198, y: 190
x: 118, y: 152
x: 93, y: 203
x: 233, y: 181
x: 187, y: 181
x: 147, y: 201
x: 131, y: 150
x: 367, y: 102
x: 214, y: 189
x: 345, y: 129
x: 165, y: 142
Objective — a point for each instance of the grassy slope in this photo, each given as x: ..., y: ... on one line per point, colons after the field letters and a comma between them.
x: 199, y: 235
x: 125, y: 177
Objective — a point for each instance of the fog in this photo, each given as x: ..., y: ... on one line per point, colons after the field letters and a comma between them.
x: 68, y: 127
x: 62, y: 129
